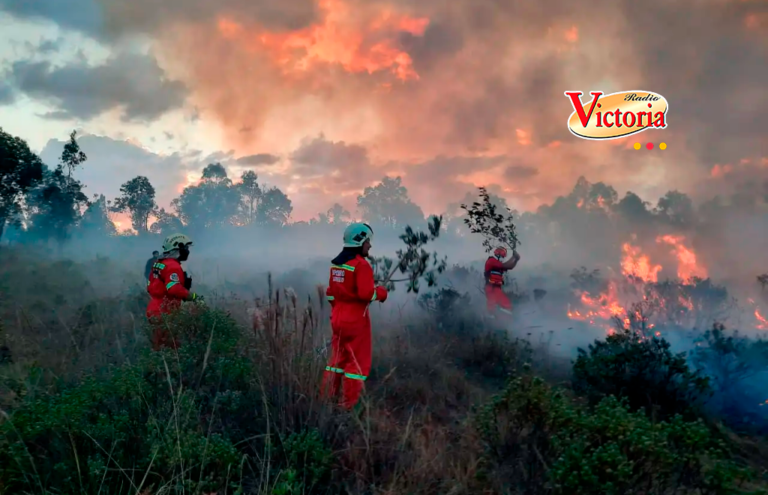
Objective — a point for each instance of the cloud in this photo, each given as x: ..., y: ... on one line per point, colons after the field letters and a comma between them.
x: 81, y: 15
x: 112, y: 162
x: 397, y: 84
x: 518, y: 172
x: 133, y: 83
x: 333, y: 165
x: 258, y: 159
x: 7, y: 94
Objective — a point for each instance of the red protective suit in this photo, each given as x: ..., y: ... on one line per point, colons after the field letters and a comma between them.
x: 495, y: 297
x: 166, y: 288
x: 350, y: 291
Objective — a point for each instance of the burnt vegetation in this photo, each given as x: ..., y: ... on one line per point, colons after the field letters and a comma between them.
x: 669, y: 401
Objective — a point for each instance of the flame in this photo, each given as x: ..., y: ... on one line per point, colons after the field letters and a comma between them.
x: 720, y: 170
x: 687, y: 267
x: 604, y: 307
x: 638, y: 265
x: 762, y: 323
x: 337, y: 39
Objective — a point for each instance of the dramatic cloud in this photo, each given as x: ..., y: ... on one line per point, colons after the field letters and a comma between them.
x: 258, y: 159
x: 133, y: 83
x: 393, y: 84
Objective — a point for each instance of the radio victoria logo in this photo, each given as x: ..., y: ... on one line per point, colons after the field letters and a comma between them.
x: 616, y: 115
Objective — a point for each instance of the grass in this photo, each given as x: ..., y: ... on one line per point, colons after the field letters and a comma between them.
x: 87, y: 408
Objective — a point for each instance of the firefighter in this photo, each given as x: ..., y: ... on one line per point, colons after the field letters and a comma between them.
x: 350, y: 291
x: 168, y: 286
x: 150, y: 263
x: 496, y: 299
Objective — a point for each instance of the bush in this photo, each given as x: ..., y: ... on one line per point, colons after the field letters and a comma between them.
x: 538, y: 441
x: 733, y: 362
x: 644, y: 371
x: 185, y: 420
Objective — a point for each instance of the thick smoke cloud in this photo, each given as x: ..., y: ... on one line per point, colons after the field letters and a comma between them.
x: 402, y: 83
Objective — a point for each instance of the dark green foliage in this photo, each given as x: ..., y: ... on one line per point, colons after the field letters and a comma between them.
x: 307, y: 462
x: 496, y: 228
x: 562, y: 448
x: 175, y: 420
x: 641, y: 369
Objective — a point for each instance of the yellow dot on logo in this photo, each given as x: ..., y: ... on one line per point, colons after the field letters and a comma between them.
x: 663, y: 146
x: 637, y: 146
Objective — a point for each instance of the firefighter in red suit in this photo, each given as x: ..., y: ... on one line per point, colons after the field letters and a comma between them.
x: 168, y: 286
x: 496, y: 299
x: 350, y: 292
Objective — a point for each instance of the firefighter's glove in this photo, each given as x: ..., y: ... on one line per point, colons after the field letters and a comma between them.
x: 516, y: 255
x: 187, y: 281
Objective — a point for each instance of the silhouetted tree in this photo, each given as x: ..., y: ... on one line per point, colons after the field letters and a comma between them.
x: 274, y: 208
x: 138, y: 198
x: 388, y: 204
x: 20, y: 171
x: 212, y: 203
x: 250, y: 195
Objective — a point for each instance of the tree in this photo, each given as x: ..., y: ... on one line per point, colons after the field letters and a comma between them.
x: 388, y: 204
x: 166, y: 223
x: 96, y: 218
x: 337, y: 215
x: 274, y: 208
x: 72, y: 156
x: 58, y: 204
x: 250, y: 194
x: 215, y: 172
x: 676, y: 208
x: 20, y: 171
x: 138, y: 197
x: 212, y: 203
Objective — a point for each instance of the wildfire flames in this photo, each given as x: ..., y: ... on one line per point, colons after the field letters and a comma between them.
x: 639, y: 284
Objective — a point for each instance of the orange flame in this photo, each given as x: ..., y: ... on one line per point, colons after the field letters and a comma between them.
x: 687, y: 267
x: 336, y: 39
x: 638, y: 265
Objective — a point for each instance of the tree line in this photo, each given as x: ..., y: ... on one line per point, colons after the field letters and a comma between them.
x: 39, y: 202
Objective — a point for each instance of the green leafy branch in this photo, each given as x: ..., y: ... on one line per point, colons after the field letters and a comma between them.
x: 413, y: 261
x: 496, y: 227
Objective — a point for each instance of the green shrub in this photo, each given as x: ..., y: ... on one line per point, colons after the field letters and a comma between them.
x: 642, y: 370
x: 156, y: 422
x: 538, y: 441
x: 307, y: 464
x: 614, y: 451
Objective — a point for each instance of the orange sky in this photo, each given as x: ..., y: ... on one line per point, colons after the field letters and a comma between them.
x: 462, y: 93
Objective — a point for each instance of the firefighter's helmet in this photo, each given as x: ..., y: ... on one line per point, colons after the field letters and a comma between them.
x: 175, y: 241
x: 356, y: 234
